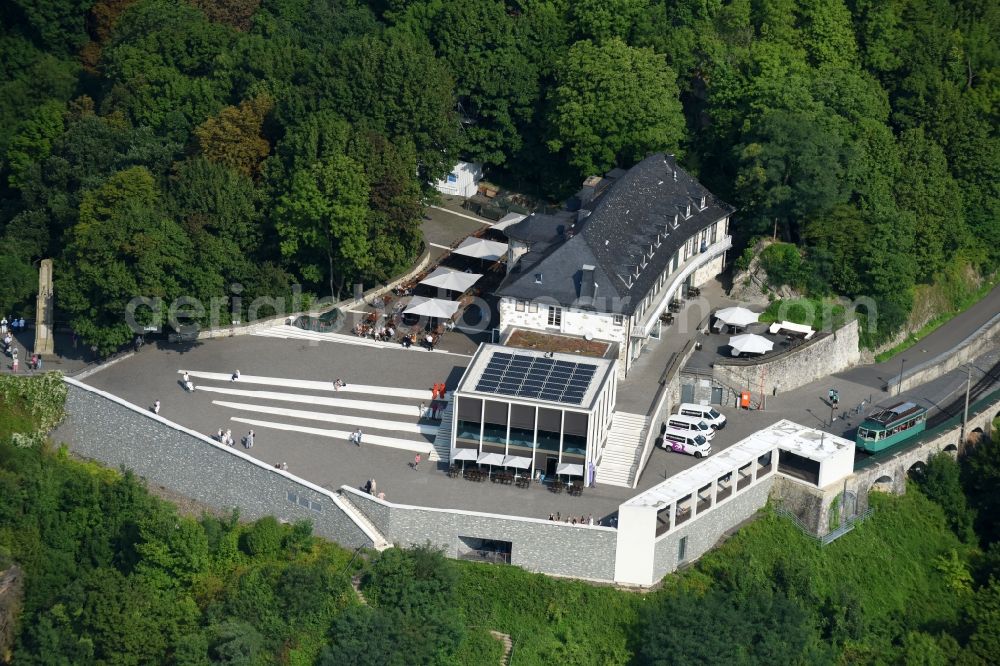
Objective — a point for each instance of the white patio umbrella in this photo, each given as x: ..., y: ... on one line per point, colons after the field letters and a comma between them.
x: 517, y: 462
x: 570, y: 469
x: 737, y: 316
x: 508, y: 220
x: 431, y: 307
x: 748, y: 343
x: 465, y: 454
x: 490, y: 459
x: 444, y: 278
x: 481, y: 248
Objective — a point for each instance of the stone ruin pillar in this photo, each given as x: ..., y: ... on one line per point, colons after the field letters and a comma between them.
x: 44, y: 325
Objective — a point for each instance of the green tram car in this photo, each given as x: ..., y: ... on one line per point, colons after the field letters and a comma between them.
x: 888, y: 426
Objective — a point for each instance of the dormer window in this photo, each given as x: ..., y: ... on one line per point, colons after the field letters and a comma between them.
x: 676, y: 221
x: 687, y: 211
x: 538, y: 278
x: 704, y: 202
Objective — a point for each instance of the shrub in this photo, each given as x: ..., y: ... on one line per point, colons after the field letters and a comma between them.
x: 263, y: 539
x: 783, y: 264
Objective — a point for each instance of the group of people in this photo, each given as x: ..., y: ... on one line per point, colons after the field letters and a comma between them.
x: 372, y: 489
x: 10, y: 349
x: 14, y: 324
x: 572, y: 520
x: 431, y: 412
x: 385, y: 333
x: 356, y: 437
x: 226, y: 437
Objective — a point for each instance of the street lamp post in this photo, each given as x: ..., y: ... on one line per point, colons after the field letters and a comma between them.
x: 899, y: 385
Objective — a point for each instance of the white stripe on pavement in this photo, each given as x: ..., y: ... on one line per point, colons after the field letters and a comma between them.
x: 312, y: 385
x: 291, y: 332
x: 420, y: 447
x: 468, y: 217
x: 438, y: 245
x: 343, y: 419
x: 363, y: 405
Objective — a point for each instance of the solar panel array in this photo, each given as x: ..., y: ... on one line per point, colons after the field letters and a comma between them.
x: 536, y: 377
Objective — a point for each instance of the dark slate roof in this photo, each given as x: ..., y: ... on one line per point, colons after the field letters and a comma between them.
x: 624, y: 220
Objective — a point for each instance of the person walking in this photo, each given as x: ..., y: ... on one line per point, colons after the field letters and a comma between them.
x: 220, y: 436
x: 229, y: 438
x: 38, y: 362
x: 249, y: 440
x: 416, y: 461
x: 356, y: 437
x: 156, y: 406
x: 422, y: 411
x: 3, y: 326
x: 374, y: 487
x: 236, y: 375
x: 13, y: 366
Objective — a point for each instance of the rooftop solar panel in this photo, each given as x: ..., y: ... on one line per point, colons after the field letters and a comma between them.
x: 536, y: 377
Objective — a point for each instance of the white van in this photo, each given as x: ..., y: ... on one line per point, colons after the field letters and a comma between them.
x: 683, y: 441
x: 691, y: 424
x: 706, y: 413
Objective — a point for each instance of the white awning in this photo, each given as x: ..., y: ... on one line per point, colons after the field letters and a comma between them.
x: 431, y: 307
x: 517, y: 462
x: 445, y: 278
x: 481, y: 248
x: 570, y: 469
x: 737, y: 316
x: 465, y: 454
x: 490, y: 459
x: 748, y: 343
x: 508, y: 220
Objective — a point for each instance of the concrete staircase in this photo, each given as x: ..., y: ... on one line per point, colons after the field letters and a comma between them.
x: 442, y: 440
x: 620, y: 459
x: 379, y: 541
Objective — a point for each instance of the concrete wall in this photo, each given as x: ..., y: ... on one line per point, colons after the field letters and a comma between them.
x: 812, y: 360
x: 537, y: 545
x: 980, y: 341
x: 102, y: 427
x: 704, y: 530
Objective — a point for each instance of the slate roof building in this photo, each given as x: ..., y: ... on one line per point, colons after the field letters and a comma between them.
x: 608, y: 267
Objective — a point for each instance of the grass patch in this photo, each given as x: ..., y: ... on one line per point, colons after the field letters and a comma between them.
x: 940, y: 320
x: 822, y: 315
x: 14, y: 417
x: 550, y: 621
x: 556, y: 343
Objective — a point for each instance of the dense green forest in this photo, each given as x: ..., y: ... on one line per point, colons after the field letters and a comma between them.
x: 176, y: 147
x: 114, y: 575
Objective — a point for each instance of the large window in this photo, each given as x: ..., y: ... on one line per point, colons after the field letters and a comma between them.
x: 495, y: 422
x: 469, y: 421
x: 555, y: 316
x: 519, y: 305
x: 715, y: 231
x: 522, y: 426
x: 575, y: 433
x: 549, y: 425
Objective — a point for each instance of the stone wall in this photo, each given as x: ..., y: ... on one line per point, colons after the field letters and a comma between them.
x: 102, y: 427
x: 980, y: 341
x: 709, y: 271
x: 542, y: 546
x: 819, y: 357
x: 705, y: 529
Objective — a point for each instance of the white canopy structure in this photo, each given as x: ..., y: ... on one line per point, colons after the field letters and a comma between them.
x: 445, y: 278
x: 737, y: 316
x: 491, y: 459
x: 517, y: 462
x: 508, y: 220
x: 465, y: 454
x: 431, y: 307
x: 570, y: 469
x: 748, y: 343
x: 481, y: 248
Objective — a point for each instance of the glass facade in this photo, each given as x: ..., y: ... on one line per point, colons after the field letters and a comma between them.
x: 492, y: 423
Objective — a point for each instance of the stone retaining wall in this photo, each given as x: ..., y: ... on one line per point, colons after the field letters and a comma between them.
x: 542, y: 546
x: 704, y: 530
x: 105, y: 428
x: 982, y: 340
x: 797, y: 367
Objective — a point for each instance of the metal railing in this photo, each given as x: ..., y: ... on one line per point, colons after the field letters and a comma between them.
x: 490, y: 556
x: 832, y: 535
x: 931, y: 433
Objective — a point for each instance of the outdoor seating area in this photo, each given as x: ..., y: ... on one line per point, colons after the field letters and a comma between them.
x: 420, y: 311
x: 512, y: 471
